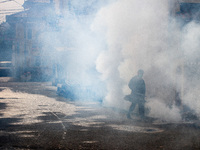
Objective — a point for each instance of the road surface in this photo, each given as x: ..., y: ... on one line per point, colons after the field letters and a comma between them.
x: 32, y: 116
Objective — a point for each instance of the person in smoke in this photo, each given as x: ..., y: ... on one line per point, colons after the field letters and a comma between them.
x: 137, y: 96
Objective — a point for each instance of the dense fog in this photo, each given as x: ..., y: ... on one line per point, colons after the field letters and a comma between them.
x: 103, y: 44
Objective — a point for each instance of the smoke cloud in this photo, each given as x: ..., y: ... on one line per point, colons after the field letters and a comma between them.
x: 107, y: 45
x: 136, y: 35
x: 142, y: 35
x: 190, y: 47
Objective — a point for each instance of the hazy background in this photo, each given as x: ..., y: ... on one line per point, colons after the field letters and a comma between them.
x: 142, y: 35
x: 105, y: 47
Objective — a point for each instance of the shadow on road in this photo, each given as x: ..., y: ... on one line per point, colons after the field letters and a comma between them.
x: 2, y: 106
x: 41, y: 88
x: 89, y: 130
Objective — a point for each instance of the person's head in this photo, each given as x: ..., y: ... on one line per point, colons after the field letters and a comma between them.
x: 140, y: 73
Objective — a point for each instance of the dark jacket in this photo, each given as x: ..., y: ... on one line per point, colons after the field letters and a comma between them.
x: 138, y: 88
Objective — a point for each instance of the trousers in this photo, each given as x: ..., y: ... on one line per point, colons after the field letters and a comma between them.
x: 140, y: 107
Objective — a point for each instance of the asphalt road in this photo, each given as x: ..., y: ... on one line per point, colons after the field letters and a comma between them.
x: 32, y: 116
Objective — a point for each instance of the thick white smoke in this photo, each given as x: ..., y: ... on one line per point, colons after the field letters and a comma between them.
x: 190, y: 47
x: 125, y: 36
x: 139, y: 34
x: 160, y: 110
x: 136, y: 34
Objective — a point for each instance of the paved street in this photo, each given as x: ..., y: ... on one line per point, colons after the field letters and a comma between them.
x: 32, y: 116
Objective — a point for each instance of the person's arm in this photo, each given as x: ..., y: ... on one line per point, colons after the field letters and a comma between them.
x: 131, y: 83
x: 144, y: 88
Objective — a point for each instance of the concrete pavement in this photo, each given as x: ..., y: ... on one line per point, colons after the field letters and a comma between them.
x: 32, y: 116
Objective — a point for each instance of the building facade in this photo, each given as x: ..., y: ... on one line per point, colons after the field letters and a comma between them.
x: 38, y: 18
x: 27, y: 48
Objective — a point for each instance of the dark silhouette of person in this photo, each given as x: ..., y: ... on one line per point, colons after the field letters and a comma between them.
x: 137, y: 96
